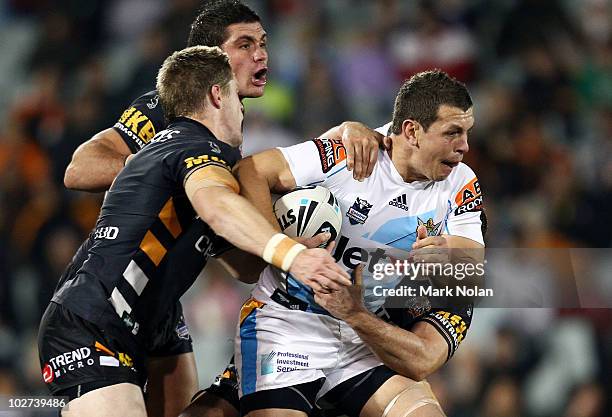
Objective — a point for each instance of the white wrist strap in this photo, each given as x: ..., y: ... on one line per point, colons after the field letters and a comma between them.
x: 281, y: 251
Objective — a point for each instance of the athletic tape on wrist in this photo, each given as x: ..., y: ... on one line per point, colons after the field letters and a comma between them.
x: 281, y: 251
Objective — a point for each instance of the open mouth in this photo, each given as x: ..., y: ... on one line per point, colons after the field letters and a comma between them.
x: 260, y: 77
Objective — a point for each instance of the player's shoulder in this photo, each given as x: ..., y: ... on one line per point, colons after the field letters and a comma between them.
x: 150, y: 99
x: 193, y: 139
x: 139, y: 123
x: 465, y: 185
x: 461, y: 174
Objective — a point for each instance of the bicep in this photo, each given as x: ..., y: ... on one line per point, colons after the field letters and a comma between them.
x: 270, y: 165
x: 112, y: 140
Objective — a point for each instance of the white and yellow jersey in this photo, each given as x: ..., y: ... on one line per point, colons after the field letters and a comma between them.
x: 380, y: 214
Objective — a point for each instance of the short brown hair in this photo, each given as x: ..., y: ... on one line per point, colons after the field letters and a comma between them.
x: 421, y: 96
x: 187, y: 76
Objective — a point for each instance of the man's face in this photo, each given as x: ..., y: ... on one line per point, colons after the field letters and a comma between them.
x: 441, y: 148
x: 246, y: 48
x: 233, y: 114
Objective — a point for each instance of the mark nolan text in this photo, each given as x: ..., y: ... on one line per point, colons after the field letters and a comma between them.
x: 429, y: 291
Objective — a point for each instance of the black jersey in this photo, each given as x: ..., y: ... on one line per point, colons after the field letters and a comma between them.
x: 141, y: 121
x: 148, y: 247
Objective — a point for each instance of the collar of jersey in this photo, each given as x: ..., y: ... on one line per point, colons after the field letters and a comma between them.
x: 197, y: 125
x: 183, y: 119
x: 395, y: 175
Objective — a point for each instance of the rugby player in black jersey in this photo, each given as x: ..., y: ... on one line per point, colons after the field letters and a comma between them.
x: 238, y: 31
x: 95, y: 334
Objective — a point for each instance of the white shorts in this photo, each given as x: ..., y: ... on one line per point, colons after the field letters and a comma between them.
x: 277, y: 347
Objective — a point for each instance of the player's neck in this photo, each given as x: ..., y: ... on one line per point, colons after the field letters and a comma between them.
x: 401, y: 157
x: 217, y: 128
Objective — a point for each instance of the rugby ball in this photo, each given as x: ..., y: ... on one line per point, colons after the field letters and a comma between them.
x: 307, y: 211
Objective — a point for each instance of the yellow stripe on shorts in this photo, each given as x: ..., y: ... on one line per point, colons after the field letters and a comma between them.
x: 250, y: 305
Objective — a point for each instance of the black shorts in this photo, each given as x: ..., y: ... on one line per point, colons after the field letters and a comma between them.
x: 76, y: 356
x: 299, y: 397
x: 225, y: 386
x: 347, y: 398
x: 172, y: 337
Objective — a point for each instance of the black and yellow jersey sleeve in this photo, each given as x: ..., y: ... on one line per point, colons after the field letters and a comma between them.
x: 196, y: 156
x: 141, y: 121
x: 451, y: 322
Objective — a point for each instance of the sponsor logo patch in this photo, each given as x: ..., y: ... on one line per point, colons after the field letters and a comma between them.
x: 67, y: 362
x: 471, y: 206
x: 153, y: 102
x: 47, y: 373
x: 454, y: 325
x: 282, y: 362
x: 107, y: 232
x: 182, y: 331
x: 358, y: 212
x: 82, y: 357
x: 204, y: 159
x: 331, y: 153
x: 214, y: 147
x: 138, y: 123
x: 433, y: 229
x: 417, y: 306
x: 469, y: 198
x: 267, y: 363
x: 399, y: 202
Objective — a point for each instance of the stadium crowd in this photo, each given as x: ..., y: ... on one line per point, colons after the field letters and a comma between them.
x: 540, y: 72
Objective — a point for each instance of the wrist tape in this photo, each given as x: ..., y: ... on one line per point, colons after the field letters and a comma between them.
x: 281, y: 251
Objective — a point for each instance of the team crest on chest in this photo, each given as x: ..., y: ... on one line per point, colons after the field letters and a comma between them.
x: 358, y: 212
x: 433, y: 229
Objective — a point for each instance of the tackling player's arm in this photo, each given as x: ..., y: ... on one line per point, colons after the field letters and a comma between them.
x: 260, y: 175
x: 246, y: 268
x: 96, y: 163
x: 213, y: 192
x: 256, y: 174
x: 415, y: 354
x: 269, y: 170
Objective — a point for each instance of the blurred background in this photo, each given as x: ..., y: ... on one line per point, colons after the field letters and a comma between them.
x: 540, y: 73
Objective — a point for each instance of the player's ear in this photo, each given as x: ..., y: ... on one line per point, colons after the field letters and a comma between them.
x: 215, y: 96
x: 410, y: 129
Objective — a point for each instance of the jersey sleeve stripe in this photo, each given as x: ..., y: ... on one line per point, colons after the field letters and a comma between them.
x: 153, y: 248
x: 168, y: 217
x: 136, y: 277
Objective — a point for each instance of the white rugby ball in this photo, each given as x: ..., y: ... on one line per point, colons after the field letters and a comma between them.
x: 307, y: 211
